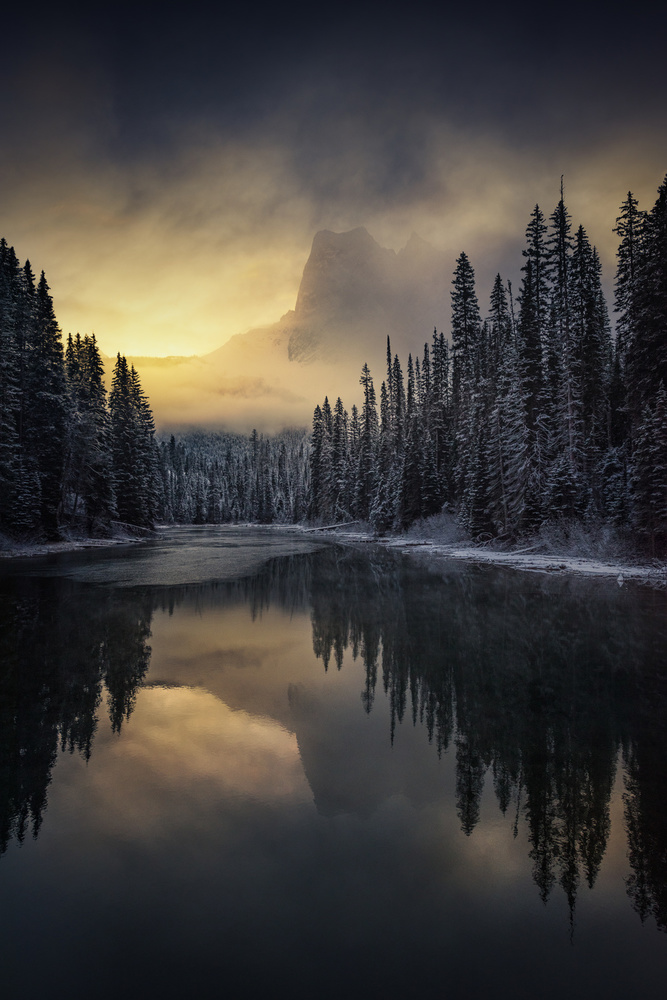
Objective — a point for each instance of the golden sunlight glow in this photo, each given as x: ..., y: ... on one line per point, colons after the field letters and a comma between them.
x: 186, y: 743
x: 175, y: 263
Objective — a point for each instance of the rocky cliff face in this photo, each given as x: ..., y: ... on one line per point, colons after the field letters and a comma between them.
x: 354, y: 293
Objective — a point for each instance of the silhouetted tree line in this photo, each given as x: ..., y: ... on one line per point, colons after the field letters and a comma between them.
x: 54, y: 668
x: 532, y: 414
x: 538, y: 688
x: 536, y: 685
x: 69, y: 457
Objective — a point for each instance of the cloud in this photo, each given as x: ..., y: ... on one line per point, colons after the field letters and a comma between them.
x: 172, y: 203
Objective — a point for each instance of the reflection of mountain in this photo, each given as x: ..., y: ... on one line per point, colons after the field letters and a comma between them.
x: 536, y: 683
x: 353, y: 294
x: 542, y: 684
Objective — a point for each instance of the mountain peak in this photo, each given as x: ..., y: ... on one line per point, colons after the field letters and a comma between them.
x: 354, y: 243
x: 340, y: 267
x: 416, y: 247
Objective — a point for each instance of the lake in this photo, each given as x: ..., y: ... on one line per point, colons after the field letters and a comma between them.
x: 243, y: 762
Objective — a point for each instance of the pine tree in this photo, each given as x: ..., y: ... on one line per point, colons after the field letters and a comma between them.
x: 500, y: 324
x: 88, y: 473
x: 466, y: 325
x: 507, y: 447
x: 648, y: 481
x: 646, y: 365
x: 383, y: 506
x: 591, y: 349
x: 367, y: 447
x: 131, y: 434
x: 565, y: 390
x: 46, y: 416
x: 10, y: 283
x: 316, y: 484
x: 630, y: 228
x: 339, y: 447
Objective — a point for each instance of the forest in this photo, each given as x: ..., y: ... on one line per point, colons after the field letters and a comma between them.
x: 69, y: 456
x: 532, y: 415
x: 537, y: 413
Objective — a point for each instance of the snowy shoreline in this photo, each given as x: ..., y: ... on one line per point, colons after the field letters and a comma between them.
x: 653, y: 575
x: 10, y: 549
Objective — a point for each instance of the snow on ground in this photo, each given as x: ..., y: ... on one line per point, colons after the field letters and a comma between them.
x: 10, y: 549
x: 654, y: 574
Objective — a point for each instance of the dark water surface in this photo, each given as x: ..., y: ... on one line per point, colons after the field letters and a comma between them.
x: 234, y: 763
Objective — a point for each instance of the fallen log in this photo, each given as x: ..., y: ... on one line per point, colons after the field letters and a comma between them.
x: 331, y: 527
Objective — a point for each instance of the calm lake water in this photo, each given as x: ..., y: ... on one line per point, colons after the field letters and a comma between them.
x: 238, y: 763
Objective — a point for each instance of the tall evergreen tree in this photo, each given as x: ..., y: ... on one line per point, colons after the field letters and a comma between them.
x: 367, y: 446
x: 46, y: 417
x: 88, y: 475
x: 10, y: 402
x: 466, y: 325
x: 646, y: 365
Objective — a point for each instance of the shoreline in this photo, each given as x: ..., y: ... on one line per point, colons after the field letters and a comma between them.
x: 524, y: 560
x: 653, y: 575
x: 31, y: 550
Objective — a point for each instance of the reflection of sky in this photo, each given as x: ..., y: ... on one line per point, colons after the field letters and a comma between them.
x: 188, y: 851
x: 168, y: 168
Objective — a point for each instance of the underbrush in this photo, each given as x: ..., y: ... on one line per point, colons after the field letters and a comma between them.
x: 588, y: 539
x: 442, y: 528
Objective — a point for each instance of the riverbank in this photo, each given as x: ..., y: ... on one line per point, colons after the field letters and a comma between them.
x: 10, y: 548
x: 524, y: 558
x: 527, y: 558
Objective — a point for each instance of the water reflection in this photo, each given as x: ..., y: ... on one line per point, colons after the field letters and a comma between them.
x: 58, y: 646
x: 540, y: 682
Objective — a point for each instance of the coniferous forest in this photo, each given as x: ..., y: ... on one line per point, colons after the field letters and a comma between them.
x: 532, y: 414
x: 69, y: 456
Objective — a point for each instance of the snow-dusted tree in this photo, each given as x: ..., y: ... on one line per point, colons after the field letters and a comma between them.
x: 382, y: 511
x: 10, y: 289
x: 367, y: 447
x: 591, y: 350
x: 466, y: 324
x: 646, y: 364
x: 648, y: 481
x: 507, y: 447
x: 88, y: 471
x: 45, y: 414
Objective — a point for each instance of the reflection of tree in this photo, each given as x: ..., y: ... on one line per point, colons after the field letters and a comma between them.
x: 646, y: 818
x: 536, y: 679
x: 59, y: 643
x: 539, y: 681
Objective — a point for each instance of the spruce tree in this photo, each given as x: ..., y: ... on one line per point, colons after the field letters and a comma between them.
x: 46, y: 416
x: 591, y: 349
x: 367, y: 447
x: 10, y: 456
x: 564, y: 388
x: 646, y: 366
x: 88, y: 475
x: 466, y: 325
x: 630, y: 228
x: 648, y: 481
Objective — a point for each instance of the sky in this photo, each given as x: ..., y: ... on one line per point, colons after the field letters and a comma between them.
x: 168, y: 171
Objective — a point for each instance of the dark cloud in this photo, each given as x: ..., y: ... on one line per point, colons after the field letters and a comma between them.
x: 140, y: 139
